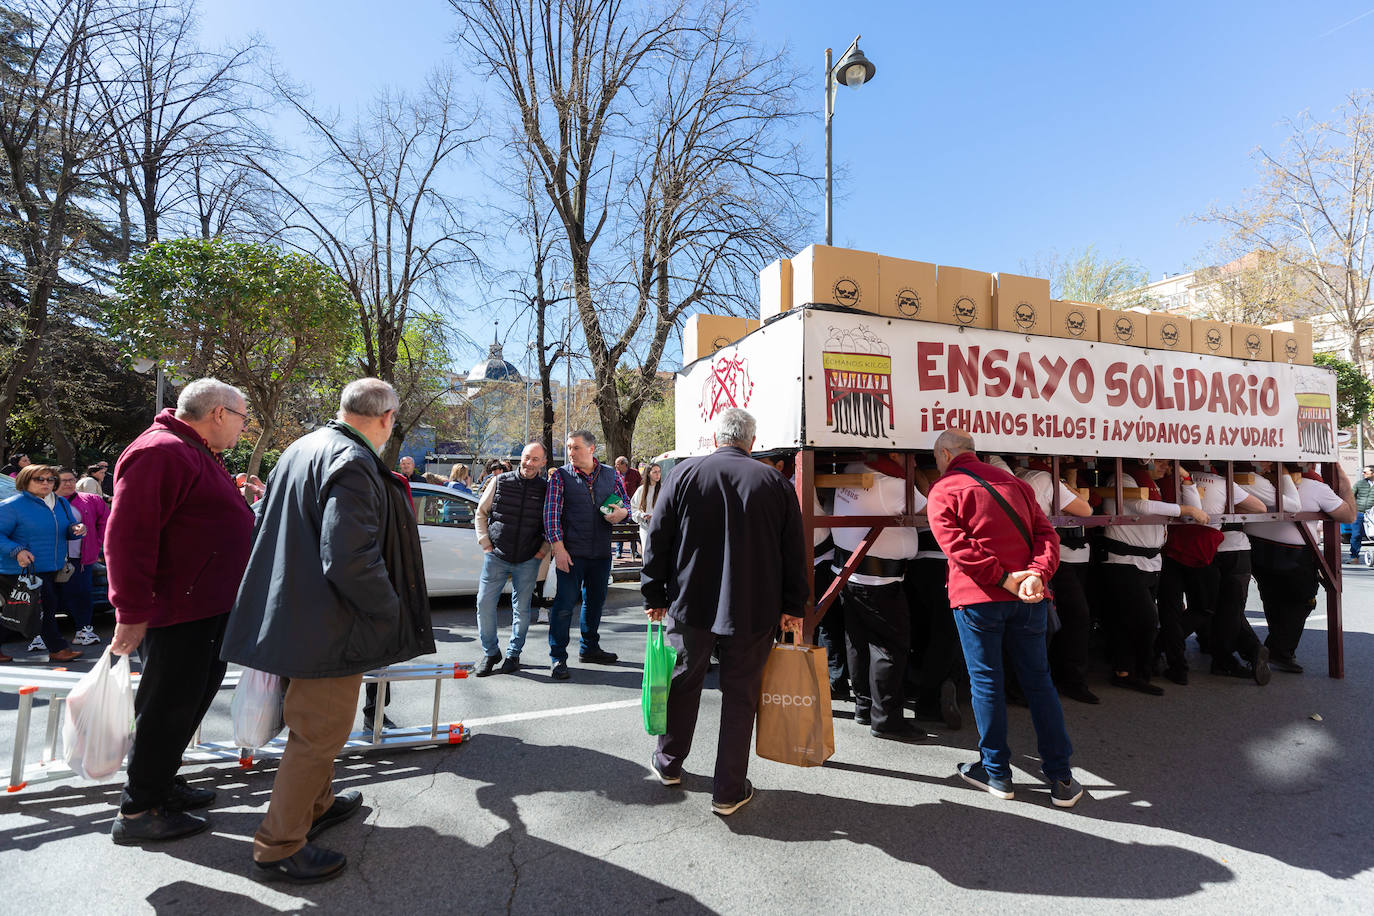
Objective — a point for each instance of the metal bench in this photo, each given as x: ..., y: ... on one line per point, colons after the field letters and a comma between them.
x: 55, y: 684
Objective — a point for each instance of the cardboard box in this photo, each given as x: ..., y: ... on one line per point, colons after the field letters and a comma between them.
x: 703, y: 335
x: 1074, y: 320
x: 906, y: 289
x: 1292, y: 342
x: 835, y: 276
x: 1250, y: 341
x: 1169, y: 332
x: 1211, y: 338
x: 963, y: 297
x: 775, y: 289
x: 1124, y: 327
x: 1021, y: 304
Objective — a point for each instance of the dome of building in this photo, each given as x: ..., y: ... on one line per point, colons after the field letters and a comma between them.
x: 494, y: 368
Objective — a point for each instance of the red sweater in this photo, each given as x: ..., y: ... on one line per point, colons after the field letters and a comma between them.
x: 983, y: 544
x: 179, y: 532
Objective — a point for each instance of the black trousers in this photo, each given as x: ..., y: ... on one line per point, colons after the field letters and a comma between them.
x: 830, y: 629
x: 181, y: 675
x: 877, y: 629
x: 1126, y: 599
x: 370, y: 700
x: 742, y: 658
x: 1176, y: 620
x: 1287, y: 579
x: 1068, y: 648
x: 1231, y: 630
x: 935, y: 653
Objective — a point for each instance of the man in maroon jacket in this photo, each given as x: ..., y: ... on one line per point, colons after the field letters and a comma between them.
x: 1002, y: 550
x: 176, y: 545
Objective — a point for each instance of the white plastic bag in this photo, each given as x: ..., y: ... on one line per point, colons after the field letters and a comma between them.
x: 99, y: 727
x: 257, y: 709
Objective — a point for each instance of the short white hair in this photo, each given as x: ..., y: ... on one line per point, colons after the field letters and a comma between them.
x: 203, y: 395
x: 368, y: 397
x: 737, y: 427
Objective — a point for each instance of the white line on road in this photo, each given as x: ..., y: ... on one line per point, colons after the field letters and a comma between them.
x: 549, y: 713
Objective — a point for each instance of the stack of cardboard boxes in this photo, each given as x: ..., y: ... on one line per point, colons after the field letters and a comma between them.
x: 917, y: 290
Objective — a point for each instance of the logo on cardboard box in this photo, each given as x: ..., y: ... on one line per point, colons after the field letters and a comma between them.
x: 847, y: 292
x: 1252, y: 344
x: 965, y: 310
x: 1075, y: 323
x: 908, y: 302
x: 1213, y: 339
x: 1168, y: 334
x: 1290, y: 347
x: 1024, y: 315
x: 1124, y: 329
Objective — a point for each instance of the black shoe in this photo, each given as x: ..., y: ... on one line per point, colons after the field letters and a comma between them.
x: 369, y: 722
x: 511, y: 664
x: 862, y: 717
x: 487, y: 665
x: 155, y: 826
x: 907, y: 735
x: 1229, y: 667
x: 1081, y: 693
x: 598, y: 657
x: 345, y: 806
x: 1285, y: 663
x: 560, y: 671
x: 949, y: 707
x: 840, y: 691
x: 1132, y: 682
x: 1178, y: 674
x: 309, y: 865
x: 185, y: 797
x: 1261, y: 666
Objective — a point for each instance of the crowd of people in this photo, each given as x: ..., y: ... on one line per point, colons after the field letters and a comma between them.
x: 317, y: 577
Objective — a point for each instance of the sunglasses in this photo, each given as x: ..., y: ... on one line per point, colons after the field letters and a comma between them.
x: 45, y: 480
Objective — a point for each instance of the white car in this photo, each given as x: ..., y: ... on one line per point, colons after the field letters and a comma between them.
x: 448, y: 541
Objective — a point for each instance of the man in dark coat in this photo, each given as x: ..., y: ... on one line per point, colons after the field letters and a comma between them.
x: 724, y: 561
x: 335, y: 587
x: 176, y: 545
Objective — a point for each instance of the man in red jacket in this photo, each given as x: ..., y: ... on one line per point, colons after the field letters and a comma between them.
x: 176, y: 545
x: 1002, y: 550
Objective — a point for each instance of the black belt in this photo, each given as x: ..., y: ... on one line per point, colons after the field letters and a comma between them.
x: 871, y: 565
x: 1233, y: 526
x: 1072, y: 538
x: 1122, y: 549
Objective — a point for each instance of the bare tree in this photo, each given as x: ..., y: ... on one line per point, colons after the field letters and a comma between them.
x: 703, y: 164
x: 373, y: 205
x: 1313, y: 212
x: 1088, y: 276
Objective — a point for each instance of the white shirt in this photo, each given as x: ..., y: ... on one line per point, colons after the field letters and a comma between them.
x: 1142, y: 535
x: 887, y: 496
x: 1262, y: 488
x: 1212, y: 489
x: 1313, y: 496
x: 1043, y: 485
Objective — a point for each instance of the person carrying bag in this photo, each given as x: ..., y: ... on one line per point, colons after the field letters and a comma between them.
x: 795, y: 724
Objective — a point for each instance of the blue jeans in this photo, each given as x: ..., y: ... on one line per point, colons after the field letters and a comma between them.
x: 586, y: 581
x: 495, y: 572
x: 74, y: 595
x: 1019, y: 628
x: 1357, y: 536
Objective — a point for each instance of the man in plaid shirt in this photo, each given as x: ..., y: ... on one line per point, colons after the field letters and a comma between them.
x: 579, y: 511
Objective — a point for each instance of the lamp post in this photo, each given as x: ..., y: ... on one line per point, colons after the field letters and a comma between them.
x: 142, y: 365
x: 853, y: 71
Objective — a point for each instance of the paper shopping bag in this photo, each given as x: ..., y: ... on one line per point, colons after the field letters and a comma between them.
x: 794, y: 723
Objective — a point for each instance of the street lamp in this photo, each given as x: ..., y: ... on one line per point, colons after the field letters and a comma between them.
x: 853, y: 71
x: 143, y: 365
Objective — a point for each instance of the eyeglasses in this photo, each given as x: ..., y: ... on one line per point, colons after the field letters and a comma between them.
x: 45, y: 480
x: 237, y: 413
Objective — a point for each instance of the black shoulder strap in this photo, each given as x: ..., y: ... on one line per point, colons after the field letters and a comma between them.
x: 1006, y: 507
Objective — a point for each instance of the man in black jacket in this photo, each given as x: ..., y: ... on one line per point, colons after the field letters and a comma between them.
x: 510, y: 528
x: 724, y: 561
x: 335, y: 587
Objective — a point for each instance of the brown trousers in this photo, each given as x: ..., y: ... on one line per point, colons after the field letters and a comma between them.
x: 319, y: 713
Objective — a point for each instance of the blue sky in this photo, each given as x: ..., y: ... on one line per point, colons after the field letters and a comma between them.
x: 994, y: 133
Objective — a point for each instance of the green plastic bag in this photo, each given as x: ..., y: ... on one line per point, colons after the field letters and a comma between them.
x: 659, y: 661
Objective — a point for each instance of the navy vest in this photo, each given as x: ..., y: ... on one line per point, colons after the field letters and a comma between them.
x: 516, y: 522
x: 586, y: 533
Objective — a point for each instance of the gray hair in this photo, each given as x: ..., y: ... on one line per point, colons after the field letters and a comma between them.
x: 203, y: 395
x: 586, y: 435
x: 368, y: 397
x: 956, y: 441
x: 735, y: 426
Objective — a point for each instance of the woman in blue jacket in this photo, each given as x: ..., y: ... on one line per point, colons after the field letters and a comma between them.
x: 35, y: 526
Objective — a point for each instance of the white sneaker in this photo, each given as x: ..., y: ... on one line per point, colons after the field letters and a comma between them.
x: 38, y: 645
x: 85, y: 637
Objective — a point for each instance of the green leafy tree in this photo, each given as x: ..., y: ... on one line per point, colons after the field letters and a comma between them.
x: 1354, y: 392
x: 265, y: 320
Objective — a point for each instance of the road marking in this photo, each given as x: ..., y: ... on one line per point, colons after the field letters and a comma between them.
x: 549, y: 713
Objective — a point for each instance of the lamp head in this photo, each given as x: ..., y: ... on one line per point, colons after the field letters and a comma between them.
x: 855, y: 69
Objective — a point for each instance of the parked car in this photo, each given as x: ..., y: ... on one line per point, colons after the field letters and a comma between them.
x: 453, y: 558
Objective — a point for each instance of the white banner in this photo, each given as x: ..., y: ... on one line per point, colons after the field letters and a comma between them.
x: 875, y: 382
x: 760, y: 373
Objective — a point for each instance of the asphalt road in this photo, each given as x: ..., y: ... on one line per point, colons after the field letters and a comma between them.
x: 1220, y: 797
